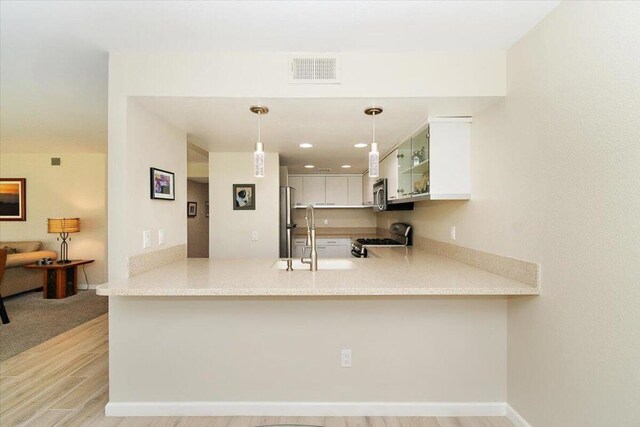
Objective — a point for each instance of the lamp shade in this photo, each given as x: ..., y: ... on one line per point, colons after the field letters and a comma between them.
x: 63, y: 225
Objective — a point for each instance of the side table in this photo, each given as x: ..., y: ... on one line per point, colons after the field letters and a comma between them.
x: 60, y: 280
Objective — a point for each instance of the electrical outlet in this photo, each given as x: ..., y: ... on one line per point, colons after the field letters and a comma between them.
x: 161, y: 236
x: 146, y: 239
x: 326, y: 222
x: 452, y: 232
x: 254, y: 235
x: 345, y: 359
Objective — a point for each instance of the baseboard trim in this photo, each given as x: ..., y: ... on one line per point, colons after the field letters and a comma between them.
x: 516, y: 418
x: 301, y: 409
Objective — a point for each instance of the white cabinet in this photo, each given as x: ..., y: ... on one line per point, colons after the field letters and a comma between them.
x: 389, y: 170
x: 434, y: 164
x: 327, y: 248
x: 295, y: 181
x: 449, y: 155
x: 337, y: 191
x: 344, y: 191
x: 313, y: 190
x: 367, y: 189
x: 354, y: 187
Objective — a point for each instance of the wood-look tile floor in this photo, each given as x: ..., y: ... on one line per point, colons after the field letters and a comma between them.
x: 64, y: 382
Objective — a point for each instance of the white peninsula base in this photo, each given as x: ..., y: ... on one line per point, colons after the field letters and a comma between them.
x: 435, y: 355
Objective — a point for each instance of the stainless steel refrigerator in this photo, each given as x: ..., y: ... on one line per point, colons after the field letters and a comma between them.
x: 286, y: 222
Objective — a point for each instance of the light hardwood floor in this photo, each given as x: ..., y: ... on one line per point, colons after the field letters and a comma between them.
x: 64, y: 382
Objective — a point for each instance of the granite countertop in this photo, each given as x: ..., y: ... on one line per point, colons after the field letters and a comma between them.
x: 391, y: 272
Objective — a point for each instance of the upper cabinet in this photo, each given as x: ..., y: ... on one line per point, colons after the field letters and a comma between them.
x: 389, y: 170
x: 433, y: 164
x: 354, y: 187
x: 367, y: 189
x: 313, y: 190
x: 340, y: 191
x: 337, y: 191
x: 450, y: 156
x: 296, y: 183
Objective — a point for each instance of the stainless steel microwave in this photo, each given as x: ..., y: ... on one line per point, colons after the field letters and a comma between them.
x: 381, y: 199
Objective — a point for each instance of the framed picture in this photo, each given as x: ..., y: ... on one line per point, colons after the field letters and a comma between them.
x: 162, y: 184
x: 13, y: 199
x: 206, y: 209
x: 244, y: 197
x: 192, y: 208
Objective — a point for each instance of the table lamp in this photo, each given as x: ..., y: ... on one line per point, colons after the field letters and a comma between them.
x: 64, y: 226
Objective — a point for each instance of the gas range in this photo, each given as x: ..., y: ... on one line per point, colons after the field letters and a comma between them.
x: 400, y: 236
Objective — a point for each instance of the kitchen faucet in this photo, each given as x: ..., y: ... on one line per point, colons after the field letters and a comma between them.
x: 311, y: 240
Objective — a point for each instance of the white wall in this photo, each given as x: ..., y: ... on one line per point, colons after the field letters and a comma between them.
x: 230, y: 230
x: 76, y: 188
x: 555, y: 174
x: 151, y: 142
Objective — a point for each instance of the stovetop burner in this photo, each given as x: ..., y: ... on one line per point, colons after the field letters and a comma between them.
x: 376, y: 241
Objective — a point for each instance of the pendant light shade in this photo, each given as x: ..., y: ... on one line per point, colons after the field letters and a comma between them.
x: 374, y: 154
x: 258, y: 154
x: 374, y: 161
x: 258, y: 161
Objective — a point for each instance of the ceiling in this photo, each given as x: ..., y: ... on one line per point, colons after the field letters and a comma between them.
x: 54, y: 55
x: 332, y: 125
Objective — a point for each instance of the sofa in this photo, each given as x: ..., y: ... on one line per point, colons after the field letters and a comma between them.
x: 16, y: 278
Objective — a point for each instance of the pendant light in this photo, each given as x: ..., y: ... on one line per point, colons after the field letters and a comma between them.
x: 374, y: 154
x: 258, y: 154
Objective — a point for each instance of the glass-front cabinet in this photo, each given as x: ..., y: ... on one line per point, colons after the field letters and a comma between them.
x: 420, y: 162
x: 413, y: 165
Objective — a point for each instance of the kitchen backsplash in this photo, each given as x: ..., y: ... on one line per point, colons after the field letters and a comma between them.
x: 339, y: 217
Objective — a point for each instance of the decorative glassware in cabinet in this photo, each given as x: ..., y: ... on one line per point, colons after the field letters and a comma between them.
x: 404, y: 169
x: 420, y: 162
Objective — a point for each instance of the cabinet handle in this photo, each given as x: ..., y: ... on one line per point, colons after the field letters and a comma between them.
x: 400, y: 156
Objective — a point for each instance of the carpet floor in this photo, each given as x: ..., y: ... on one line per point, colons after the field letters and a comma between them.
x: 34, y: 319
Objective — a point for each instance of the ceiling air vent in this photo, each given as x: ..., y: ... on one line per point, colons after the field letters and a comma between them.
x: 315, y: 69
x: 324, y: 170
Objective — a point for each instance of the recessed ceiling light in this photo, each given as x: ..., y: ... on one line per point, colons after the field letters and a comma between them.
x: 360, y: 145
x: 309, y: 166
x: 346, y: 166
x: 305, y: 145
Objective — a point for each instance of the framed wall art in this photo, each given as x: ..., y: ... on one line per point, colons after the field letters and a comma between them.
x: 162, y: 184
x: 192, y: 208
x: 13, y: 199
x: 244, y: 197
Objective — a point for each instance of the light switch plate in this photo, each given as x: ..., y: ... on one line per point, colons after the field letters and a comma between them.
x: 254, y: 235
x: 452, y: 232
x: 161, y: 236
x: 146, y: 239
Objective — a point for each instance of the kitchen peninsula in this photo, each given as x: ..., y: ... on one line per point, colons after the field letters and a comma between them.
x: 233, y: 337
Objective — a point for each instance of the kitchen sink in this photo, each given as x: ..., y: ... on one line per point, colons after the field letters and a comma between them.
x: 323, y: 264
